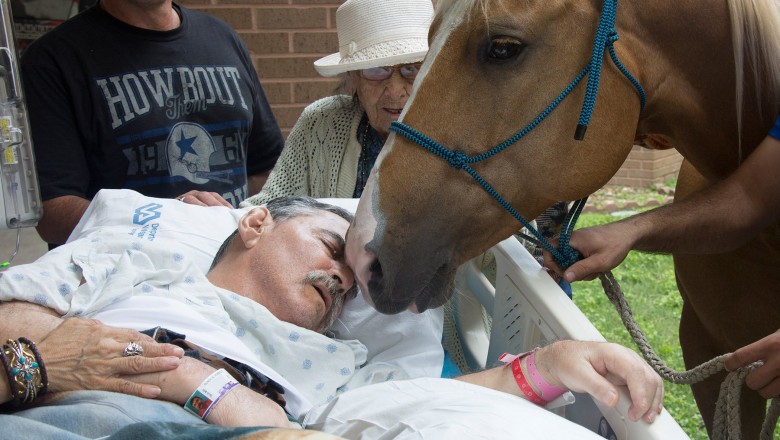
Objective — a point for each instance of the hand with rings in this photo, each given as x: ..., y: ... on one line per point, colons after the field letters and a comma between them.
x: 203, y: 198
x: 86, y: 354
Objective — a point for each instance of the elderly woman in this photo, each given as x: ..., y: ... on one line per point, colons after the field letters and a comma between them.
x: 333, y: 146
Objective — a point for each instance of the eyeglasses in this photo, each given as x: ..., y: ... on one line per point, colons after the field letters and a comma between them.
x: 408, y: 72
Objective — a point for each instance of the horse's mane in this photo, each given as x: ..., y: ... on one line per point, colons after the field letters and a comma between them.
x: 755, y: 27
x: 442, y: 6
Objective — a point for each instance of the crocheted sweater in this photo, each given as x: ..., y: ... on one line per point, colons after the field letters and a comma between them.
x: 321, y: 154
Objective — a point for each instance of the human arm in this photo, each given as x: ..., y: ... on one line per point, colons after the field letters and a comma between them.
x: 265, y: 143
x: 85, y: 354
x: 766, y: 378
x: 596, y: 368
x: 241, y: 406
x: 257, y: 181
x: 60, y: 217
x: 290, y: 175
x: 716, y: 219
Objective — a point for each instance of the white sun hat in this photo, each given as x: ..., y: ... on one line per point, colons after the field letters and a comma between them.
x: 375, y: 33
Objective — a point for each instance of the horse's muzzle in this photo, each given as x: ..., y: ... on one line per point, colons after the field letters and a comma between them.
x: 416, y: 292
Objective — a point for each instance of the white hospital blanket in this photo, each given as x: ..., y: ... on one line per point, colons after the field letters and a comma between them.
x: 436, y: 409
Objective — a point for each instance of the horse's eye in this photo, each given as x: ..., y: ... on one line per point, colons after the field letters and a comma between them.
x: 504, y: 48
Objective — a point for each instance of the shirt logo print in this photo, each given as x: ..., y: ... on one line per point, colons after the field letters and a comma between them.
x: 147, y: 213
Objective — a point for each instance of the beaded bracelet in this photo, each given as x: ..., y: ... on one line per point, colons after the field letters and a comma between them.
x: 25, y: 370
x: 11, y: 382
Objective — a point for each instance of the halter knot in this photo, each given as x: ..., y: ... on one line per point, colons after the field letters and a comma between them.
x: 612, y: 37
x: 457, y: 159
x: 566, y: 256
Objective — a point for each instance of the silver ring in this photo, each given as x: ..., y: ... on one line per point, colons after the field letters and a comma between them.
x: 133, y: 349
x: 181, y: 199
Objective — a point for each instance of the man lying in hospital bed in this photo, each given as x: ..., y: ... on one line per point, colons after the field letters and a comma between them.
x: 139, y: 269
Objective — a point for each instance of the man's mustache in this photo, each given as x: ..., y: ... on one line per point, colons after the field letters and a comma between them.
x: 337, y: 294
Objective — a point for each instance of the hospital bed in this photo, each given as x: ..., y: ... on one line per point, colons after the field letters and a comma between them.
x: 517, y: 306
x: 512, y: 309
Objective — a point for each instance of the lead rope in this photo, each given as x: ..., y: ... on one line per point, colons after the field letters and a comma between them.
x: 726, y: 423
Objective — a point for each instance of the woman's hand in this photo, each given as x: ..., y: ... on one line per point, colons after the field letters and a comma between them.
x: 203, y: 198
x: 81, y: 354
x: 597, y: 368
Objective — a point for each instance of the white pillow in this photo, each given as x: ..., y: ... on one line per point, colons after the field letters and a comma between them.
x: 410, y: 341
x: 199, y: 230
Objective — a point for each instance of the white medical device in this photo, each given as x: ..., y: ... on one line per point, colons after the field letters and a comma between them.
x: 20, y: 200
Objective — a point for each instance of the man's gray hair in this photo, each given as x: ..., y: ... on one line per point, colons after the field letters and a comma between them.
x: 287, y: 208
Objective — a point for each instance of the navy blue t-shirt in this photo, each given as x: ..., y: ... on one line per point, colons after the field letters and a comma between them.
x: 162, y: 113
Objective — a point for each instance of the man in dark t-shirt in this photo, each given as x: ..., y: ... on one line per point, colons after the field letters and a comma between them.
x: 149, y: 96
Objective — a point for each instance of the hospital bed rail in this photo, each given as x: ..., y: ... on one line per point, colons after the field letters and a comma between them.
x: 523, y: 308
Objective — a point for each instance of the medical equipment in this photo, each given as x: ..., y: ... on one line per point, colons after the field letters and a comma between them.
x: 20, y: 199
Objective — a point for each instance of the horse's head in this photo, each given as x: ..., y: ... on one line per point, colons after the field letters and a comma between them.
x: 493, y: 67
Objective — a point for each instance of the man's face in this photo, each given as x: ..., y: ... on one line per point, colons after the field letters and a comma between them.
x: 300, y: 269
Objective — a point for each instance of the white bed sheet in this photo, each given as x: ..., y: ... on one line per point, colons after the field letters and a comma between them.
x: 437, y: 409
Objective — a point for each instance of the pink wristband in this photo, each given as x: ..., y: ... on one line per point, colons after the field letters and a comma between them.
x: 548, y: 392
x: 520, y: 379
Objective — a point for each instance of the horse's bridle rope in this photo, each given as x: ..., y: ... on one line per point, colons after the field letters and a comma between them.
x: 606, y: 35
x: 726, y: 421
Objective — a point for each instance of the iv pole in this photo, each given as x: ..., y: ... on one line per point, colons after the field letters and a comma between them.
x: 20, y: 200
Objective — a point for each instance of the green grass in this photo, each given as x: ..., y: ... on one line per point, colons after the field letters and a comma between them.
x: 648, y: 283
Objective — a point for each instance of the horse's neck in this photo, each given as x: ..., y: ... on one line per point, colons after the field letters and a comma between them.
x: 685, y: 61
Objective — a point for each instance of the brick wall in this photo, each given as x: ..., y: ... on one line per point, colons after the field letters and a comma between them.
x: 644, y: 167
x: 286, y: 36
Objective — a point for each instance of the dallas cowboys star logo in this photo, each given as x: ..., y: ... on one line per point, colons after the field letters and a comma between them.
x: 185, y: 145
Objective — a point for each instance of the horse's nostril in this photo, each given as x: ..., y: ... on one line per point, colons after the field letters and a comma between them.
x: 375, y: 284
x: 375, y: 268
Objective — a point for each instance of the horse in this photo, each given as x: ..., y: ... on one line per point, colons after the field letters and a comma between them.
x: 699, y: 76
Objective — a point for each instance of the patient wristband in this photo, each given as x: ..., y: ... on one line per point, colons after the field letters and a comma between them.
x: 546, y: 392
x: 549, y: 392
x: 209, y: 392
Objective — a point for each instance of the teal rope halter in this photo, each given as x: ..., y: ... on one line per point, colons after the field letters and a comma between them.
x: 606, y: 35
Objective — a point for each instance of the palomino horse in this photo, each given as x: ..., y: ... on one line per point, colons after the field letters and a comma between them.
x: 495, y: 67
